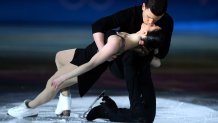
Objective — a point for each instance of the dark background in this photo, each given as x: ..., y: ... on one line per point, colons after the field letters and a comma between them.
x: 32, y: 31
x: 87, y: 11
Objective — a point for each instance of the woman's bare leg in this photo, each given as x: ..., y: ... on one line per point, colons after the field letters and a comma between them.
x: 50, y: 91
x: 62, y: 58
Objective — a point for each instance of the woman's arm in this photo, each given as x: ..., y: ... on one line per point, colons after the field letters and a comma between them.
x: 103, y: 55
x: 112, y: 47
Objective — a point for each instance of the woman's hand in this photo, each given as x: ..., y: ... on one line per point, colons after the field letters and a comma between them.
x: 58, y: 81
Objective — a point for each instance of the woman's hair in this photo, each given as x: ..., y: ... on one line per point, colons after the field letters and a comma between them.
x: 157, y: 7
x: 154, y: 39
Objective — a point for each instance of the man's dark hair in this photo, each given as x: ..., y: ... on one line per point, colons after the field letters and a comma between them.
x: 157, y: 7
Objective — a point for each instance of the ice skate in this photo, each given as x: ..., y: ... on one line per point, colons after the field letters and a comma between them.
x: 22, y: 111
x: 102, y: 110
x: 63, y: 106
x: 94, y: 103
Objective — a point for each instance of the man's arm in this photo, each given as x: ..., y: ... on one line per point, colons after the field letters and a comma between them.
x: 104, y: 24
x: 167, y: 29
x: 100, y: 27
x: 99, y: 39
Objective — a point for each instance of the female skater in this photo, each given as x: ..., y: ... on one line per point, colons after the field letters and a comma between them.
x: 85, y: 68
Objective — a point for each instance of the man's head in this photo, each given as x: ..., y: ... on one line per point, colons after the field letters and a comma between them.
x: 153, y: 10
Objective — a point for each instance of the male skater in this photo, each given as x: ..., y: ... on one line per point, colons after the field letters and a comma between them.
x: 134, y: 66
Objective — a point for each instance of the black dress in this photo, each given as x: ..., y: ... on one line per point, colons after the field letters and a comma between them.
x: 82, y: 56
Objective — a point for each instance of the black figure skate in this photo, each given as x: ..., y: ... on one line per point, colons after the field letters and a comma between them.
x: 103, y: 111
x: 93, y: 103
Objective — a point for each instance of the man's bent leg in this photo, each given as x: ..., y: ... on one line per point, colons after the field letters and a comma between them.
x: 148, y: 93
x: 131, y: 71
x: 127, y: 67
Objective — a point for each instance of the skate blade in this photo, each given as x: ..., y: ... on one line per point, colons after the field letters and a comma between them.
x: 64, y: 114
x: 26, y: 116
x: 93, y: 103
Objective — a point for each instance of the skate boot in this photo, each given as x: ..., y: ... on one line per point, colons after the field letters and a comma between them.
x: 101, y: 111
x: 106, y: 107
x: 109, y: 102
x: 22, y: 111
x: 94, y: 103
x: 63, y: 106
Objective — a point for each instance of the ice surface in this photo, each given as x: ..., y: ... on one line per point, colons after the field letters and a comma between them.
x: 168, y: 111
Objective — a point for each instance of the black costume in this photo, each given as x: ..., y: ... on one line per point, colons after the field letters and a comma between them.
x: 86, y: 80
x: 131, y: 66
x: 82, y: 56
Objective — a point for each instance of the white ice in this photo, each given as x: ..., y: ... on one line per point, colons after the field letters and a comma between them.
x: 168, y: 111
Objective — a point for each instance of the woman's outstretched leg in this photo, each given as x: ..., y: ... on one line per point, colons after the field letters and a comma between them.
x: 28, y: 107
x: 50, y: 91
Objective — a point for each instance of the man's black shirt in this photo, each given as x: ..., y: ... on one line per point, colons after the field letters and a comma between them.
x: 130, y: 20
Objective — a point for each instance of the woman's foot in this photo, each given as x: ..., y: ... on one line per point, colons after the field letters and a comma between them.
x: 22, y: 111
